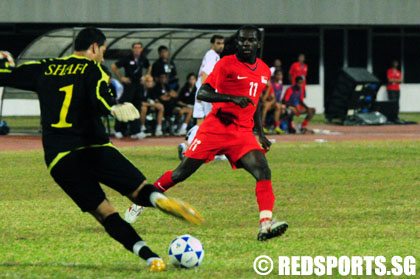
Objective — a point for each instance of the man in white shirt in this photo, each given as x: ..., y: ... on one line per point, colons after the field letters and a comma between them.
x: 201, y: 109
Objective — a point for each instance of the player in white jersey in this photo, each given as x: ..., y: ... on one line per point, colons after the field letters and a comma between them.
x: 201, y: 108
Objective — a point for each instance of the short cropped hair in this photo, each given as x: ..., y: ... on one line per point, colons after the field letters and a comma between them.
x: 277, y: 71
x: 250, y: 27
x: 190, y: 75
x: 87, y: 37
x: 136, y: 43
x: 298, y: 78
x: 162, y: 48
x: 216, y: 37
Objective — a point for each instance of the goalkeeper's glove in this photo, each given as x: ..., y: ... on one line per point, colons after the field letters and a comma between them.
x: 125, y: 112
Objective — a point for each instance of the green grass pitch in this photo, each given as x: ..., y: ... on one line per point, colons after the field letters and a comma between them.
x: 347, y: 198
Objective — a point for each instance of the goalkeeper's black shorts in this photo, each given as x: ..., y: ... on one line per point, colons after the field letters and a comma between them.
x: 80, y: 172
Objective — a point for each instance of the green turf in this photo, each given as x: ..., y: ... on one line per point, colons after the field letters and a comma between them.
x: 25, y: 124
x: 349, y: 198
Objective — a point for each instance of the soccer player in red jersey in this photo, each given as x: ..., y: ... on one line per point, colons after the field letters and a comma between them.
x: 239, y: 80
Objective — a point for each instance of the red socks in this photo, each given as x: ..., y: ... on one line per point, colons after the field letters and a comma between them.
x: 277, y: 123
x: 265, y: 199
x: 165, y: 181
x: 305, y: 123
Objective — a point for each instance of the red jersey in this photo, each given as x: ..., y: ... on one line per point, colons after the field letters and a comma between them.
x: 233, y: 77
x: 298, y: 69
x: 393, y: 74
x: 293, y: 96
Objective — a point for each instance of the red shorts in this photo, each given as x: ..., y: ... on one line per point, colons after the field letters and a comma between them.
x: 234, y: 143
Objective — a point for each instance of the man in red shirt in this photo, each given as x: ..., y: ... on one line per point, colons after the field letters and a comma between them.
x: 239, y: 80
x: 293, y: 99
x: 394, y: 79
x: 299, y: 68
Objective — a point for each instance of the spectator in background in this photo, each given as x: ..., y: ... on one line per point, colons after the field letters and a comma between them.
x: 293, y: 99
x: 186, y: 95
x: 133, y: 65
x: 272, y: 101
x: 393, y: 87
x: 150, y: 106
x: 114, y: 85
x: 163, y: 94
x: 186, y: 99
x: 163, y: 66
x: 117, y: 88
x: 299, y: 68
x: 276, y: 66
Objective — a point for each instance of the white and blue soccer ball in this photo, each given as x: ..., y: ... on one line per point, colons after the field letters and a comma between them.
x: 186, y: 251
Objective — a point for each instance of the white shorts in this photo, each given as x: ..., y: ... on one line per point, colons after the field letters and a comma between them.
x: 201, y: 109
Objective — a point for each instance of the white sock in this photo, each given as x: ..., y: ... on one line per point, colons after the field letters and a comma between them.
x: 154, y: 196
x: 142, y: 128
x: 159, y: 127
x: 184, y: 126
x: 191, y: 134
x: 265, y: 215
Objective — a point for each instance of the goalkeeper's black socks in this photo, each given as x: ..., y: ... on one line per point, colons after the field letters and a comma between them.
x: 144, y: 198
x: 124, y: 233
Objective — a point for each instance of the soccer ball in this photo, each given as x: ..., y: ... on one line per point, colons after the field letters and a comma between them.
x: 186, y: 251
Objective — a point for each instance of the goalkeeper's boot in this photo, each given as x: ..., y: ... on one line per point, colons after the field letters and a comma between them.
x: 132, y: 213
x: 272, y: 228
x: 177, y: 208
x: 156, y: 264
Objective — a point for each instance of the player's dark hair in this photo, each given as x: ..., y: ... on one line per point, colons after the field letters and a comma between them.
x: 230, y: 46
x: 87, y: 37
x: 136, y: 43
x: 188, y: 78
x: 190, y: 75
x: 215, y: 37
x: 162, y: 48
x: 277, y: 71
x: 250, y: 27
x: 298, y: 78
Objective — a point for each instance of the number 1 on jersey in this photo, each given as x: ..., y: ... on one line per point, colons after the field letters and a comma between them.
x: 62, y: 123
x: 253, y: 85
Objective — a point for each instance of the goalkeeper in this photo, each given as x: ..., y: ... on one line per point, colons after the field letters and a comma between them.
x: 73, y: 93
